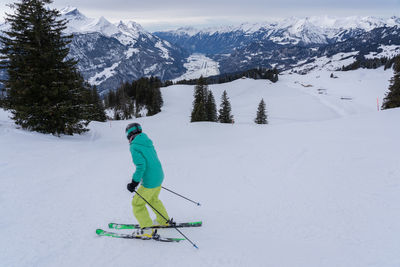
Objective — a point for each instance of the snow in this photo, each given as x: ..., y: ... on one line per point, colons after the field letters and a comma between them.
x: 77, y: 22
x: 318, y: 186
x: 104, y: 75
x: 131, y: 51
x: 333, y: 63
x: 199, y: 65
x: 150, y: 69
x: 129, y: 32
x: 126, y: 33
x: 314, y: 29
x: 388, y: 51
x: 164, y: 51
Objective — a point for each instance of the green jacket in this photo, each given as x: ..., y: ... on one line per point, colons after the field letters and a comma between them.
x: 148, y: 166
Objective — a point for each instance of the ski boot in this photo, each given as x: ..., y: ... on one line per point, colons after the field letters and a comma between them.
x: 147, y: 233
x: 170, y: 222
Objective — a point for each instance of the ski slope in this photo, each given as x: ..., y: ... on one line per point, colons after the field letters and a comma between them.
x: 318, y: 186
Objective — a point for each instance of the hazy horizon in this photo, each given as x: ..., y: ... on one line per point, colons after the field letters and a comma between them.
x: 156, y: 15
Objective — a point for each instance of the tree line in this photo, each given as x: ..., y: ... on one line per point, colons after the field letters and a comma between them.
x: 369, y: 63
x: 256, y: 73
x: 135, y: 98
x: 205, y: 109
x: 392, y: 98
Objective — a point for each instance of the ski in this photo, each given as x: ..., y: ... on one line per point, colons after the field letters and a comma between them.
x: 136, y: 226
x: 157, y: 237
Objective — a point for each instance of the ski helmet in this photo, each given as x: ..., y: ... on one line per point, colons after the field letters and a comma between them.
x: 133, y: 129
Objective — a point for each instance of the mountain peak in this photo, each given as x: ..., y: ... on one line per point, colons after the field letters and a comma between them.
x: 71, y: 11
x: 130, y: 28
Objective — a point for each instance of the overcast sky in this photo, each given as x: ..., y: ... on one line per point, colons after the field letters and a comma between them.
x: 169, y: 14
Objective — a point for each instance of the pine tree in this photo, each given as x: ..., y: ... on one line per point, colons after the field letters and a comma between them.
x: 225, y: 110
x: 199, y: 112
x: 156, y: 102
x: 211, y: 108
x: 392, y: 99
x: 97, y: 112
x: 124, y: 106
x: 261, y: 114
x: 45, y: 92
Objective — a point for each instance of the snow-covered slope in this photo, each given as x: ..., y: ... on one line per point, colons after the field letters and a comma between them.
x: 318, y: 186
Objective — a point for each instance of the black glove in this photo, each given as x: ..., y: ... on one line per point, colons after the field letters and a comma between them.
x: 132, y: 186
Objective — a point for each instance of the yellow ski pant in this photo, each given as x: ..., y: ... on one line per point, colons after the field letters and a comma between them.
x: 140, y: 210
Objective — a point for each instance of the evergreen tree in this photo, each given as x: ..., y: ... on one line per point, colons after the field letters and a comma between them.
x: 225, y: 110
x: 97, y: 112
x: 45, y: 92
x: 392, y: 99
x: 2, y: 97
x: 156, y: 102
x: 131, y: 98
x: 124, y: 105
x: 261, y: 114
x: 111, y: 99
x: 199, y: 112
x: 211, y: 108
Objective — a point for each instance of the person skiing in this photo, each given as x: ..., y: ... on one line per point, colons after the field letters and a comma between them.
x: 150, y: 174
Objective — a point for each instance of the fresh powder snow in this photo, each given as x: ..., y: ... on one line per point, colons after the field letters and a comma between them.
x: 318, y: 186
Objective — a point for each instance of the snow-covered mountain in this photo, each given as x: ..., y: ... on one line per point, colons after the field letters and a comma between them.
x: 109, y: 54
x: 287, y: 43
x: 269, y: 54
x: 309, y: 30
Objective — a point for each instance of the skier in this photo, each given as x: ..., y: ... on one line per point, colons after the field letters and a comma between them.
x: 149, y: 172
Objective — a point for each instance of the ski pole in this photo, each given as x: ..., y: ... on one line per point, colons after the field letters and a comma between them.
x: 197, y: 203
x: 167, y: 220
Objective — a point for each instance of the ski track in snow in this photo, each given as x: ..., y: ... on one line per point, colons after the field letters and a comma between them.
x: 318, y: 186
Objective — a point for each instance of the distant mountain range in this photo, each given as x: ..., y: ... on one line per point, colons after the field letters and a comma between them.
x: 292, y: 31
x: 288, y: 43
x: 111, y: 53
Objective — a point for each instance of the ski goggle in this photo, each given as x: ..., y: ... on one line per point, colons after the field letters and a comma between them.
x: 135, y: 129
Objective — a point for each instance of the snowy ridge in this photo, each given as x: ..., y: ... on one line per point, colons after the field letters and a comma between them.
x: 315, y: 29
x: 79, y: 23
x: 109, y: 53
x: 295, y: 24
